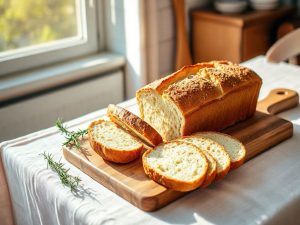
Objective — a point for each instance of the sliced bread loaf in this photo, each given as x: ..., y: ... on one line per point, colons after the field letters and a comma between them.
x: 134, y: 125
x: 216, y: 150
x: 200, y: 97
x: 112, y: 142
x: 177, y: 165
x: 235, y: 149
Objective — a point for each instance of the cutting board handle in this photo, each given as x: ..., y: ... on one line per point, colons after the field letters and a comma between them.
x: 278, y: 100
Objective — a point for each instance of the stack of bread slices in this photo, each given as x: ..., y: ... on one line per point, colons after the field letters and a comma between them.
x: 183, y: 164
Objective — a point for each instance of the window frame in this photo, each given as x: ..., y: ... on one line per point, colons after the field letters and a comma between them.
x: 64, y: 49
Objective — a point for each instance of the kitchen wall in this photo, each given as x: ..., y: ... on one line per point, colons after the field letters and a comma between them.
x: 166, y: 30
x: 69, y: 102
x: 123, y: 27
x: 143, y: 31
x: 161, y: 35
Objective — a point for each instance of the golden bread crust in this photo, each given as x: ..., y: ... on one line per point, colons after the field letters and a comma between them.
x: 209, y: 96
x: 134, y: 124
x: 111, y: 154
x: 163, y: 83
x: 191, y: 90
x: 209, y: 84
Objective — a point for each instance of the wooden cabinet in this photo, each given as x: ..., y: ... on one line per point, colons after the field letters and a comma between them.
x: 234, y: 37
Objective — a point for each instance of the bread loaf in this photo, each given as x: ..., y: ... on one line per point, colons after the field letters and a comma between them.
x: 200, y: 97
x: 134, y: 125
x: 113, y: 143
x: 177, y: 165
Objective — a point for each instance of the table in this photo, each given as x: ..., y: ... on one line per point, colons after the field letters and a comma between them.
x: 264, y: 190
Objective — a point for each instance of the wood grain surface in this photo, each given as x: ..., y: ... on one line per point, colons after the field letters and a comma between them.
x: 244, y: 35
x: 129, y: 181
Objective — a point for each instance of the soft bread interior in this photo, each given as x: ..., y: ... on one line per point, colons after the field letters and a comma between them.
x: 214, y: 149
x: 112, y: 136
x: 161, y: 114
x: 178, y: 161
x: 212, y: 165
x: 234, y: 148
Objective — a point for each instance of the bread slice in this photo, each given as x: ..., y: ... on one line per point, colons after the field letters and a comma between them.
x: 113, y: 143
x: 212, y: 165
x: 216, y: 150
x: 134, y: 125
x: 235, y: 149
x: 177, y: 165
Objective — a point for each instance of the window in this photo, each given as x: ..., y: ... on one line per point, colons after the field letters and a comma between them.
x: 40, y: 32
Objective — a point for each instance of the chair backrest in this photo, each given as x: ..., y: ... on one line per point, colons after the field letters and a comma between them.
x: 286, y: 47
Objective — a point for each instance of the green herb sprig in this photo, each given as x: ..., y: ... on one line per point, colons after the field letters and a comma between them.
x: 66, y: 179
x: 72, y: 137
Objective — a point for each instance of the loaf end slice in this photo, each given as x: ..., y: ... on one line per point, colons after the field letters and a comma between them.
x: 134, y: 125
x: 235, y: 149
x: 177, y: 165
x: 113, y: 143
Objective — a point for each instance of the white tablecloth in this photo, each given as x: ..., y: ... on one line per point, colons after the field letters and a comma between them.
x: 265, y: 190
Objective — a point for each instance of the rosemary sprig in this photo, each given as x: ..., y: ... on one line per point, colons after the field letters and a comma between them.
x: 66, y: 179
x: 72, y: 137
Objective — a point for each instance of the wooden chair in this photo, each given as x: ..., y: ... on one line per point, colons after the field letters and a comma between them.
x: 286, y: 47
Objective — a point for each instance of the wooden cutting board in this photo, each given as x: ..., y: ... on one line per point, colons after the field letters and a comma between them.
x: 129, y: 181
